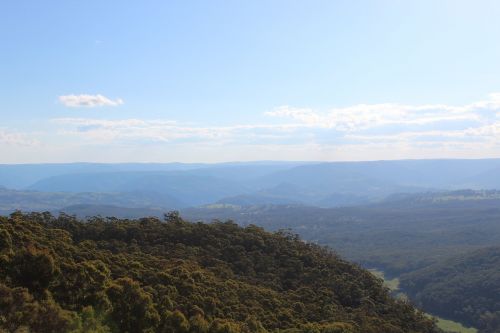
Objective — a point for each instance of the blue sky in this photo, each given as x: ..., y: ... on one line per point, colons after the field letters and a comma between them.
x: 209, y: 81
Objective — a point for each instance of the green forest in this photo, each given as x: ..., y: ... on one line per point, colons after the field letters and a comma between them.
x: 465, y: 288
x: 443, y: 246
x: 396, y: 236
x: 59, y: 274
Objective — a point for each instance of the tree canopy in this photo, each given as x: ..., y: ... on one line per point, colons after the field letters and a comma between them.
x: 58, y: 274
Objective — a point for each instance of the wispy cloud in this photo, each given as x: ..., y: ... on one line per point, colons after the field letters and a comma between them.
x: 387, y: 128
x: 16, y: 139
x: 89, y: 101
x: 164, y: 130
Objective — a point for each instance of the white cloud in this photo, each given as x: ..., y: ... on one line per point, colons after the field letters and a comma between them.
x: 366, y: 116
x: 88, y: 101
x: 306, y: 116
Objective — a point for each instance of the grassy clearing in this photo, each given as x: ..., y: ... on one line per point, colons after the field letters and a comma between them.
x: 453, y: 326
x: 392, y: 284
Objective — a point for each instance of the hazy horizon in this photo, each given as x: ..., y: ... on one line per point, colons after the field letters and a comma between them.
x: 258, y: 161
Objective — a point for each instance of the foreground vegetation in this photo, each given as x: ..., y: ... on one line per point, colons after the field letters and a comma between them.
x: 147, y: 275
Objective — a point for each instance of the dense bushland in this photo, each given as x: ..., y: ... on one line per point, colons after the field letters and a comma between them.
x: 110, y: 275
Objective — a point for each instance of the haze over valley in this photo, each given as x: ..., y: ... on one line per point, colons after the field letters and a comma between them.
x: 176, y: 186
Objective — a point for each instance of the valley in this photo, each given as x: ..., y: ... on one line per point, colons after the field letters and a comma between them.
x: 446, y: 325
x: 374, y: 214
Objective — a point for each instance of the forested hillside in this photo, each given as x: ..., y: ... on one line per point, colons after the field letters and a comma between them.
x: 147, y: 275
x: 399, y: 235
x: 465, y: 288
x: 429, y: 239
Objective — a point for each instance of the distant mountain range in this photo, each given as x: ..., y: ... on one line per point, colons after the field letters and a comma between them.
x: 177, y: 185
x: 11, y: 200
